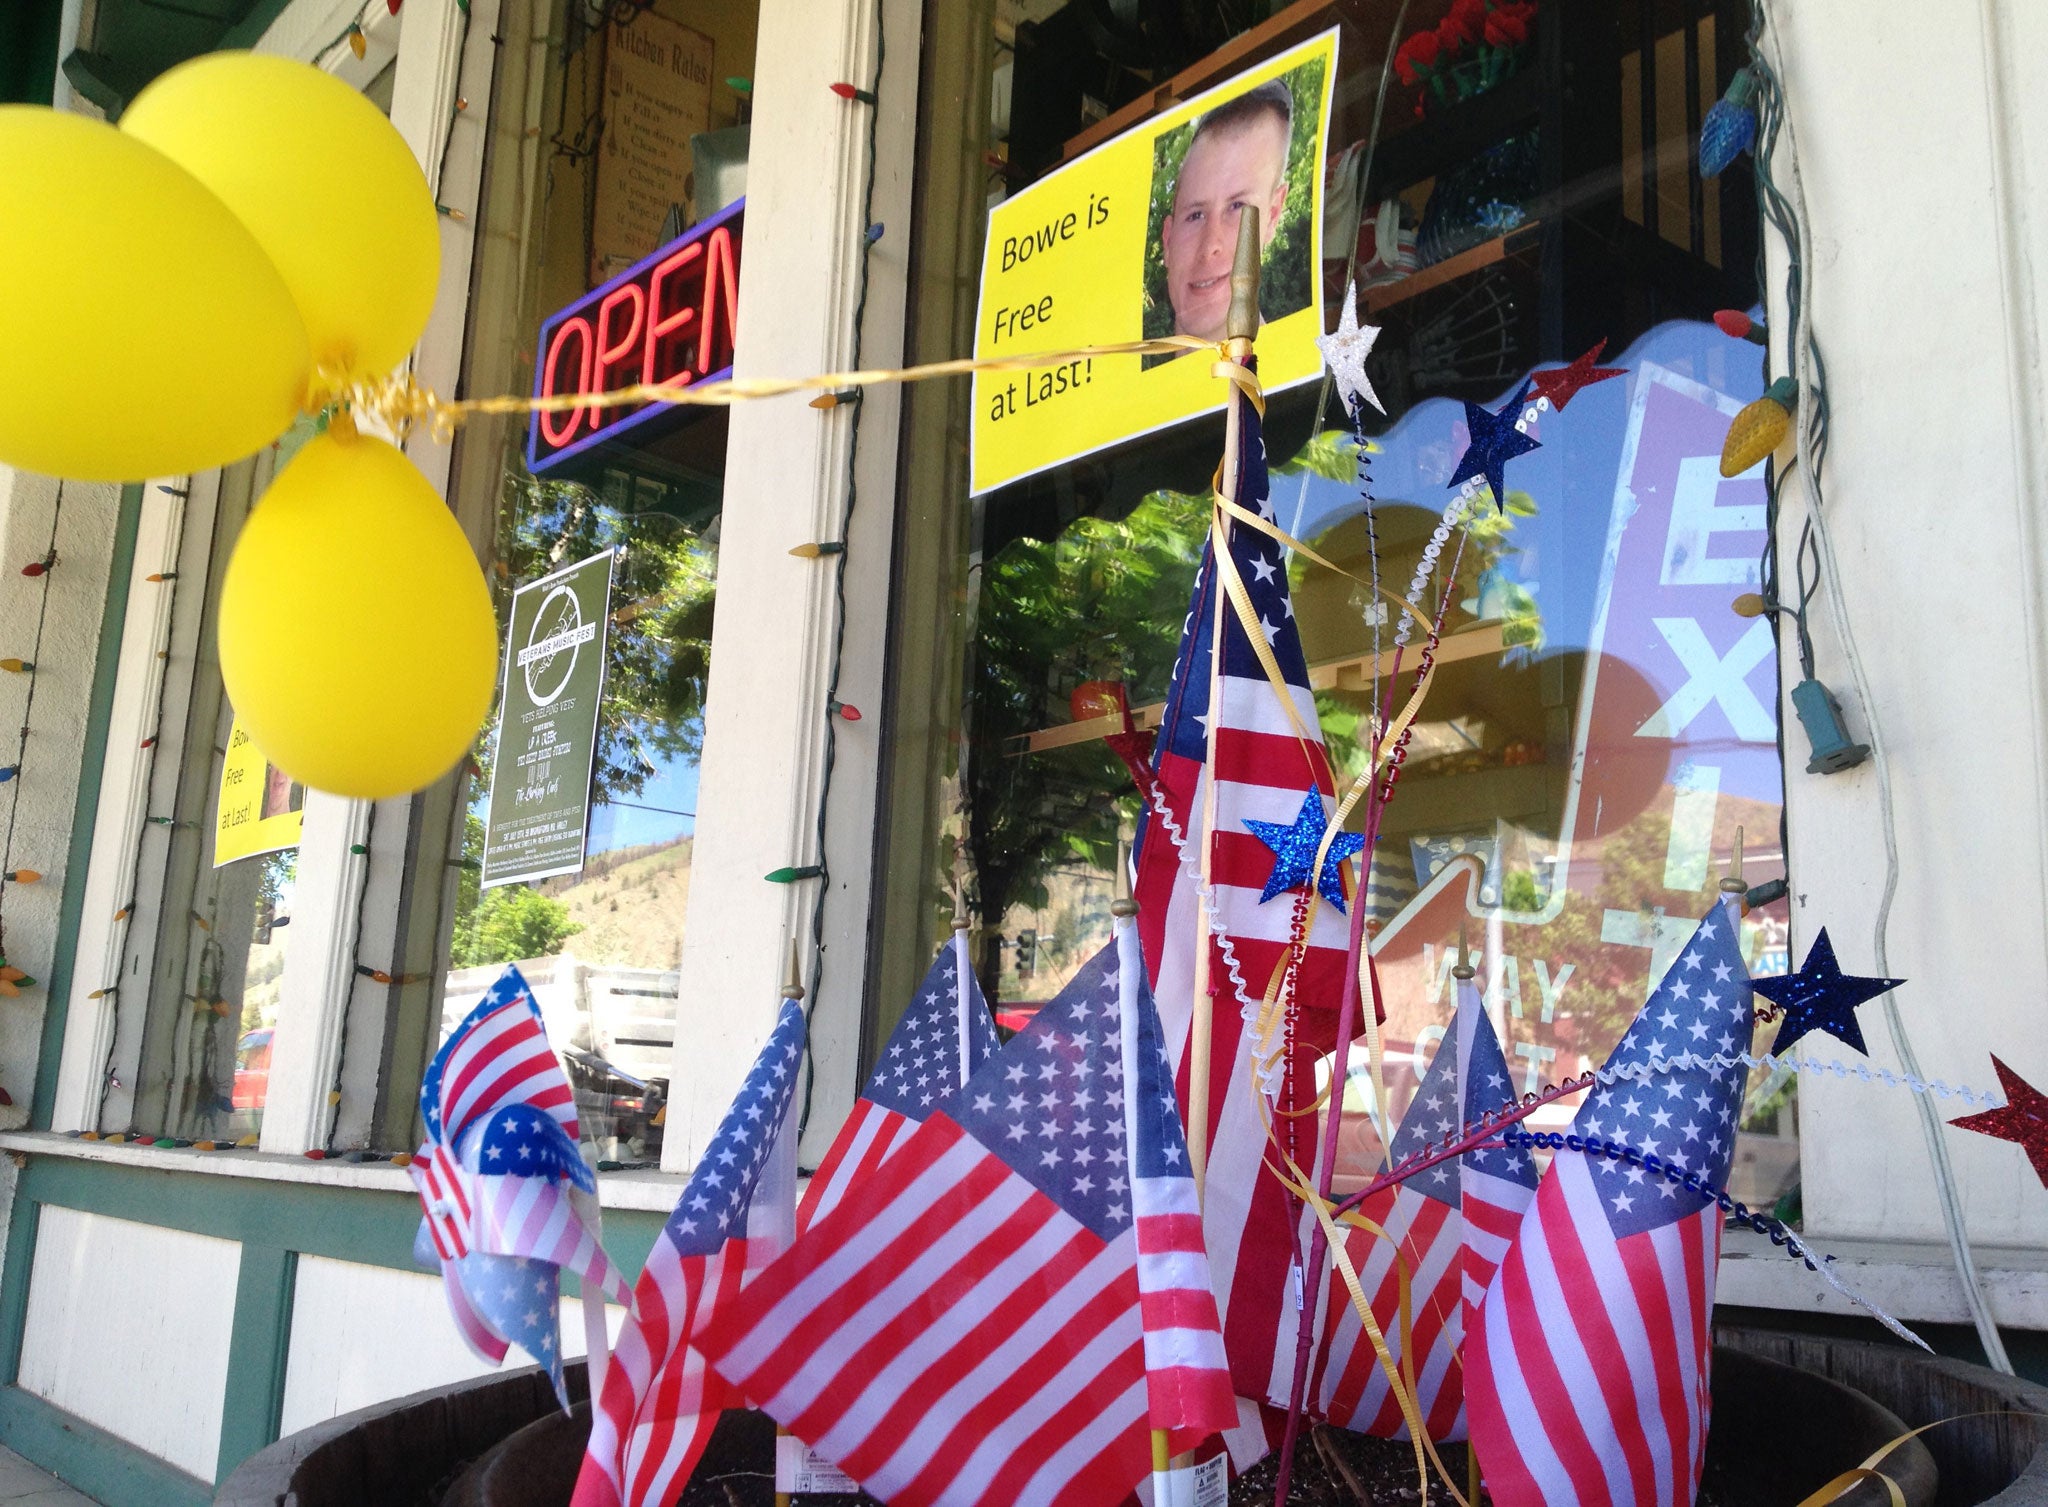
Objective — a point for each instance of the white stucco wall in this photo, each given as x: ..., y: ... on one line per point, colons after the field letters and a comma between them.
x: 1922, y: 141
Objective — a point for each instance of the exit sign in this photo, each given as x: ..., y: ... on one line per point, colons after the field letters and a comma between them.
x: 666, y: 320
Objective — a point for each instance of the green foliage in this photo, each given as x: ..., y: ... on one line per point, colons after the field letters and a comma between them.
x: 1286, y: 279
x: 511, y: 924
x: 1103, y: 601
x: 1332, y: 455
x: 663, y: 586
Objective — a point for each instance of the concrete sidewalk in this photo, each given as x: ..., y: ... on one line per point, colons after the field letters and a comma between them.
x: 22, y: 1485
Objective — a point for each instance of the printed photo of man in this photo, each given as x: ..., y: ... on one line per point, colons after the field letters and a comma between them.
x: 1237, y: 158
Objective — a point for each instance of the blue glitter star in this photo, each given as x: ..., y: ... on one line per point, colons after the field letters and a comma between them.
x: 1820, y: 997
x: 1296, y: 849
x: 1494, y: 442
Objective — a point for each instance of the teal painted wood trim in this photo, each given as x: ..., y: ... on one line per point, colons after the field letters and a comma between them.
x: 248, y: 31
x: 346, y: 1224
x: 21, y: 1250
x: 257, y: 1353
x: 107, y: 1469
x: 85, y: 812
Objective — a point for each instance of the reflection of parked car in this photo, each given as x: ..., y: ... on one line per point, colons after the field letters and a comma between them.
x: 252, y: 1069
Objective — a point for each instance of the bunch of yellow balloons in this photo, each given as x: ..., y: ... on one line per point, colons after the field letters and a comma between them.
x: 253, y: 236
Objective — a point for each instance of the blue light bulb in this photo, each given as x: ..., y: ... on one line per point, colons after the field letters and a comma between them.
x: 1730, y: 127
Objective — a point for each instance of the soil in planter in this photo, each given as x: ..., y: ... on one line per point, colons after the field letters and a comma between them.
x: 756, y: 1488
x: 1332, y: 1468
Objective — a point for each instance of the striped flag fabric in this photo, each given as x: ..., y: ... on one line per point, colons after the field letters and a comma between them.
x: 494, y: 1100
x: 969, y: 1330
x: 1496, y: 1183
x: 521, y: 1168
x: 660, y: 1400
x: 944, y: 1036
x: 1187, y: 1377
x: 1586, y: 1371
x: 1450, y: 1225
x: 1271, y: 777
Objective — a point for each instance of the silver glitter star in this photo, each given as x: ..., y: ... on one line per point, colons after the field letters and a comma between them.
x: 1346, y: 350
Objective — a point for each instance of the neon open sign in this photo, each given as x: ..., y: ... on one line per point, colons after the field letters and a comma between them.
x: 667, y: 320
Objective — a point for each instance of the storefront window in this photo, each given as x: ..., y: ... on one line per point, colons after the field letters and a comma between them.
x: 221, y: 892
x: 1601, y: 723
x: 639, y: 140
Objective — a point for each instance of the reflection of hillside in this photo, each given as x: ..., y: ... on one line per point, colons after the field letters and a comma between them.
x: 630, y: 904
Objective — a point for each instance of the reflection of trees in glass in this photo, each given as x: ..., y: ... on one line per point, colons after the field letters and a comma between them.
x: 510, y: 924
x: 1103, y: 601
x: 658, y: 651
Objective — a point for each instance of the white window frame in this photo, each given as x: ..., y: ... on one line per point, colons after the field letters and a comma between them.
x: 321, y: 1005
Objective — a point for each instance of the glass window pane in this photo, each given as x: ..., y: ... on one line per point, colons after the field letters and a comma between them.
x: 230, y: 863
x: 600, y: 947
x: 1600, y: 723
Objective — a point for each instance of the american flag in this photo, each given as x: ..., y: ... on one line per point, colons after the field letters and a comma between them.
x: 521, y: 1299
x: 1498, y: 1183
x: 498, y: 1064
x: 969, y: 1330
x: 661, y: 1401
x: 944, y: 1035
x: 1186, y: 1374
x: 1586, y: 1372
x: 1266, y: 772
x: 521, y: 1166
x: 1447, y: 1224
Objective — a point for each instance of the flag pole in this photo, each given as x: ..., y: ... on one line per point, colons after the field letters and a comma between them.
x: 1123, y: 909
x: 596, y: 1335
x: 1240, y: 329
x: 960, y: 977
x: 792, y: 988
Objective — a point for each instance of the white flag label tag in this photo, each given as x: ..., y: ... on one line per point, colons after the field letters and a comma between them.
x: 798, y: 1467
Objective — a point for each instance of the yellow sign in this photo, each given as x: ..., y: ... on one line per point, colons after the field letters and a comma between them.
x: 1134, y: 241
x: 261, y: 807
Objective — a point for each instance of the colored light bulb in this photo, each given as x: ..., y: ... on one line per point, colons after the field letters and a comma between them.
x: 850, y: 92
x: 357, y: 42
x: 814, y: 551
x: 792, y: 874
x: 1760, y: 428
x: 17, y: 666
x: 23, y: 876
x: 843, y: 711
x: 1729, y: 129
x: 1737, y: 325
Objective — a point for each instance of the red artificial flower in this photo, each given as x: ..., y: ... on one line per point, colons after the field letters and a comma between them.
x: 1462, y: 27
x: 1505, y: 28
x: 1416, y: 56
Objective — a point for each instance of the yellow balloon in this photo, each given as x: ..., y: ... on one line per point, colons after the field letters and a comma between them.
x: 323, y: 181
x: 357, y: 640
x: 143, y: 332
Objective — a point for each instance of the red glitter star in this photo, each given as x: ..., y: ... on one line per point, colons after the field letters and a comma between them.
x: 2024, y: 1118
x: 1559, y: 383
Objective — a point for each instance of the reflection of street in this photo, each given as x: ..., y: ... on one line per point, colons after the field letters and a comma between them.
x: 1626, y: 824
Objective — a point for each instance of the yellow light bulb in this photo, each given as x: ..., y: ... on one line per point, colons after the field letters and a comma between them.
x: 357, y: 42
x: 1760, y: 428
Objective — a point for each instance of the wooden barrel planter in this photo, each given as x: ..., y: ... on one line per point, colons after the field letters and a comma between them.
x: 1790, y: 1411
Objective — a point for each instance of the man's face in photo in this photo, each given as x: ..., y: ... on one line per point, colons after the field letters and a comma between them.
x: 1242, y: 164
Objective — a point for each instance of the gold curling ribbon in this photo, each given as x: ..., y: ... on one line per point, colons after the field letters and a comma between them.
x: 400, y: 402
x: 1400, y: 1374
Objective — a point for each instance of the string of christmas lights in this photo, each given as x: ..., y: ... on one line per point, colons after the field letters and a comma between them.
x: 837, y: 711
x: 13, y: 979
x: 150, y: 746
